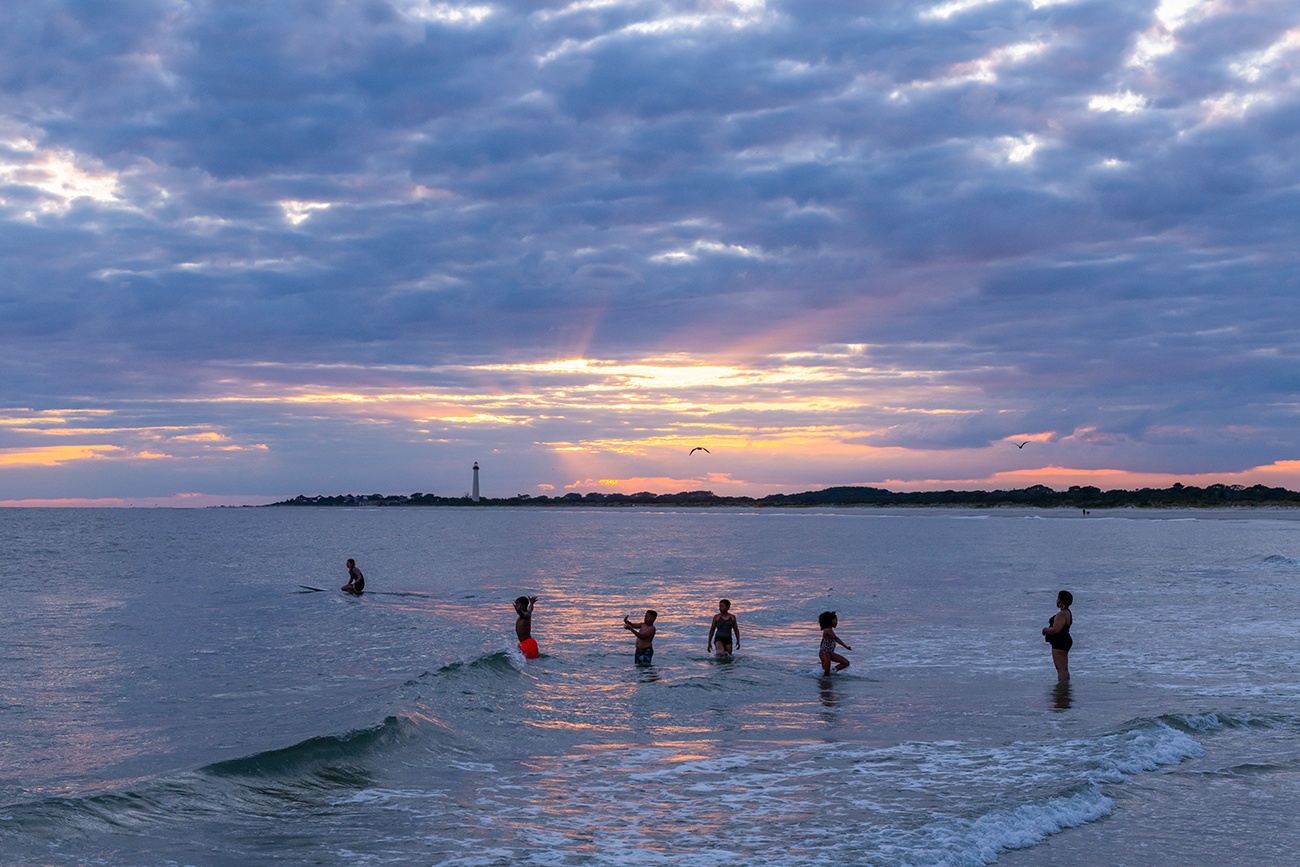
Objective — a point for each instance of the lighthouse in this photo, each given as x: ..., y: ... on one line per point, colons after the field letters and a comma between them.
x: 474, y: 496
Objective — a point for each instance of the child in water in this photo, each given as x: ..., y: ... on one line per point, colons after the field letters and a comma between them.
x: 828, y: 621
x: 721, y: 629
x: 524, y: 626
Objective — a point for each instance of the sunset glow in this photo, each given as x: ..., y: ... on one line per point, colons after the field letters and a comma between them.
x: 961, y: 244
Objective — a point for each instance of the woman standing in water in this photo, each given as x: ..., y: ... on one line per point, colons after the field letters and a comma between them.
x: 1057, y: 634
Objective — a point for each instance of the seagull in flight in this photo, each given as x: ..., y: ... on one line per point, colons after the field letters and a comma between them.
x: 699, y: 449
x: 1023, y: 444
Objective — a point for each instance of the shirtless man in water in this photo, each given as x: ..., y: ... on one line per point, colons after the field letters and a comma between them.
x: 645, y: 636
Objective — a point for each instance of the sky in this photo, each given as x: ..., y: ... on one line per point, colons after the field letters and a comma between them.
x: 253, y: 250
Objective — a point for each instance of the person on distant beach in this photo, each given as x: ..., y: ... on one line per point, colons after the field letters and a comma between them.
x: 1057, y: 634
x: 827, y: 620
x: 645, y: 636
x: 524, y: 626
x: 356, y: 581
x: 722, y: 628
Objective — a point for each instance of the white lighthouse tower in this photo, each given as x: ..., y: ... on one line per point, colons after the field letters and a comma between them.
x: 474, y: 496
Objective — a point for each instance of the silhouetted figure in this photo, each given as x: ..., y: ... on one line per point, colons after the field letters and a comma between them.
x: 828, y: 620
x: 524, y: 626
x: 356, y: 581
x: 722, y: 629
x: 1057, y: 634
x: 645, y: 636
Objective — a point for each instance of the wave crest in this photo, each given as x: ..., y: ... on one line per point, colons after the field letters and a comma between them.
x: 320, y: 752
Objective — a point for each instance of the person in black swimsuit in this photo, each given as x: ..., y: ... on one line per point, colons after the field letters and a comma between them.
x: 1057, y: 634
x: 722, y: 630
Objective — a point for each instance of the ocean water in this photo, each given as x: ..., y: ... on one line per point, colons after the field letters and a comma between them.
x: 169, y: 694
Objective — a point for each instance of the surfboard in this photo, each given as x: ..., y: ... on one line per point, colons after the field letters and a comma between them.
x: 312, y: 589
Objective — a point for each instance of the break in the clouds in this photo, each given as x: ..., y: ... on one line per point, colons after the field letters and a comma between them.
x: 252, y: 250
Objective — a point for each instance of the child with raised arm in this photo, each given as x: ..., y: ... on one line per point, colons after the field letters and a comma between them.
x: 645, y: 636
x: 722, y: 628
x: 524, y: 626
x: 828, y: 621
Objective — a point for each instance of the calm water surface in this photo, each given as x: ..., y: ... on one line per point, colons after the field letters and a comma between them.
x: 170, y: 695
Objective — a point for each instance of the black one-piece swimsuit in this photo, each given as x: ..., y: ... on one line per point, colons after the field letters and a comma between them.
x: 1060, y: 640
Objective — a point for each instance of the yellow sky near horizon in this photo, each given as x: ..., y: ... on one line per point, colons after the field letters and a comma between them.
x: 620, y: 426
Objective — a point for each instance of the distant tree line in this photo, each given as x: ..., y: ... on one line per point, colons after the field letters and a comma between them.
x: 1038, y: 496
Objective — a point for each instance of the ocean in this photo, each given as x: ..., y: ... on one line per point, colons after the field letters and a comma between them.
x: 171, y: 695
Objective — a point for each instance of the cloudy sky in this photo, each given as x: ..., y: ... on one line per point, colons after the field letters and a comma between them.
x: 250, y: 250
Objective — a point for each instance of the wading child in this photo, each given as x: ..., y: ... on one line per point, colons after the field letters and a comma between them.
x: 524, y: 626
x: 722, y: 628
x: 828, y: 621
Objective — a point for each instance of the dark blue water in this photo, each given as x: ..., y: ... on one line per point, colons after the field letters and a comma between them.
x: 171, y: 695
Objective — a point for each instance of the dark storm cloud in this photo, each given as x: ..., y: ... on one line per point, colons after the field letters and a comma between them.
x: 1077, y: 215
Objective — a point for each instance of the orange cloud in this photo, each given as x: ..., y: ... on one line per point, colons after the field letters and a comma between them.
x: 838, y: 378
x: 205, y: 437
x: 53, y: 456
x: 826, y: 441
x: 720, y: 483
x: 1043, y: 437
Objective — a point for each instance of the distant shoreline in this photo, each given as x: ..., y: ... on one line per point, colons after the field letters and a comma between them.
x: 1038, y: 496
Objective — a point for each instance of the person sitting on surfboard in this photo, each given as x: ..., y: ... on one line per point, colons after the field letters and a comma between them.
x: 356, y: 581
x: 524, y: 626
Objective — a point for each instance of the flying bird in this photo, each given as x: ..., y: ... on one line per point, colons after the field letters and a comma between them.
x: 1023, y: 444
x: 699, y: 449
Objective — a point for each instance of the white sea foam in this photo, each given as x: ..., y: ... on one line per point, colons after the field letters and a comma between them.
x: 828, y: 801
